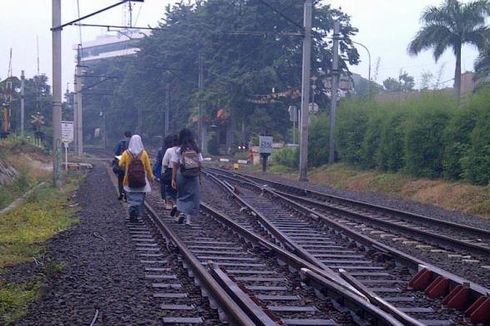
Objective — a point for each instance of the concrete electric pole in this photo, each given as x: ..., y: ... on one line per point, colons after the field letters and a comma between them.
x: 22, y: 109
x: 334, y: 91
x: 56, y: 52
x: 305, y: 91
x: 200, y: 85
x: 167, y: 109
x: 78, y: 104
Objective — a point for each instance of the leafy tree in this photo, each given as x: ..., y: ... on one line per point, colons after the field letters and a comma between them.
x: 392, y: 85
x: 426, y: 80
x: 243, y: 54
x: 407, y: 82
x: 451, y: 25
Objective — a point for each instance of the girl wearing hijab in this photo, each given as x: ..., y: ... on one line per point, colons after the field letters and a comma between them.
x: 136, y: 196
x: 188, y: 186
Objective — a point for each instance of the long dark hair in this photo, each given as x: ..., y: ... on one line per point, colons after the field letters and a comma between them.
x: 169, y: 141
x: 187, y: 141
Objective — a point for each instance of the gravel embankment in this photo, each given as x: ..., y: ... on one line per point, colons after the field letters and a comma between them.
x: 100, y: 268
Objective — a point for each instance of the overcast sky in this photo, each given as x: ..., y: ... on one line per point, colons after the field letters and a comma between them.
x: 385, y: 27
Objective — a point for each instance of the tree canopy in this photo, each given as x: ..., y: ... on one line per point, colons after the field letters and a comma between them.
x: 251, y: 64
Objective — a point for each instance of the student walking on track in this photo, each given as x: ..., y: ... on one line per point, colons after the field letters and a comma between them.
x: 121, y: 146
x: 186, y: 177
x: 137, y: 177
x: 168, y: 193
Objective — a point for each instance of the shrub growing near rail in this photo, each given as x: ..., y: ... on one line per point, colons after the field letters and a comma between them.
x: 429, y: 136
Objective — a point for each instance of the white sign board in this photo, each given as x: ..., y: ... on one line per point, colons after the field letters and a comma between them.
x: 265, y: 144
x: 67, y: 133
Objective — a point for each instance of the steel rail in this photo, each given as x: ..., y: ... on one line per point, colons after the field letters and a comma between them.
x: 376, y: 300
x: 366, y: 205
x: 476, y: 290
x: 232, y: 310
x: 403, y: 228
x: 321, y: 278
x: 279, y: 236
x: 447, y: 240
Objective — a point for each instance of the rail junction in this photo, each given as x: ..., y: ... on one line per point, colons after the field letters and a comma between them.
x: 267, y: 253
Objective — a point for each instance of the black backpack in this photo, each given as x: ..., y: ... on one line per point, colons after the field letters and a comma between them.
x: 136, y: 172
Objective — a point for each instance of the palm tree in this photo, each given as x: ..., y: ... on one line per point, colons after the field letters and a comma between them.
x: 452, y: 25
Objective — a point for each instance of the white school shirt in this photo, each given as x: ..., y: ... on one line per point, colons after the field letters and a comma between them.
x: 167, y: 158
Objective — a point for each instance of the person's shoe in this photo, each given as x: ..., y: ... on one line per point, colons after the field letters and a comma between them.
x: 133, y: 217
x: 188, y: 220
x: 180, y: 218
x: 173, y: 211
x: 120, y: 197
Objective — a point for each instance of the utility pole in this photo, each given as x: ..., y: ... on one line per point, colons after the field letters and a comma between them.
x: 334, y: 91
x: 167, y: 109
x: 56, y: 52
x: 22, y: 93
x: 200, y: 87
x: 78, y: 103
x: 305, y: 91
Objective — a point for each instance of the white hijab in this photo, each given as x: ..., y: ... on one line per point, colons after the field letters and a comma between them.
x: 135, y: 145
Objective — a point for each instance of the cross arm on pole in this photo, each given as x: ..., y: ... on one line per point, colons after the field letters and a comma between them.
x: 60, y: 27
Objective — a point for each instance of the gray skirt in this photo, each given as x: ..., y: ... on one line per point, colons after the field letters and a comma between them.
x: 188, y: 194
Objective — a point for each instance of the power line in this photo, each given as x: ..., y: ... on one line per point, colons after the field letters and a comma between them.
x: 280, y: 13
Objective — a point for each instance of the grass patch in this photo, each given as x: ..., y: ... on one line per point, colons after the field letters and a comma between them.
x: 14, y: 300
x: 23, y: 230
x: 20, y: 185
x: 23, y: 235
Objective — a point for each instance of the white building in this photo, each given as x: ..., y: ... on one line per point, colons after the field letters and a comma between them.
x: 111, y: 45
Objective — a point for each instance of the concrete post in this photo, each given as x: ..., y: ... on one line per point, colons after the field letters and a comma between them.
x: 305, y: 92
x: 334, y: 91
x: 22, y: 109
x: 56, y: 62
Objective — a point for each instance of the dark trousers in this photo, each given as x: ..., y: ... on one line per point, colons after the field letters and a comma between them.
x: 167, y: 191
x: 120, y: 187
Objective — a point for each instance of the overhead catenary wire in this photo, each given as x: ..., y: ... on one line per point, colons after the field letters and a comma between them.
x: 280, y: 13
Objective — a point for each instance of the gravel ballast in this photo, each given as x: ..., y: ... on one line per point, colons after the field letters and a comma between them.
x: 101, y: 272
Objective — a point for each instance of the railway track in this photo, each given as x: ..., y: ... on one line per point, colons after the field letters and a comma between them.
x: 372, y: 266
x: 460, y: 236
x: 247, y: 268
x: 241, y: 278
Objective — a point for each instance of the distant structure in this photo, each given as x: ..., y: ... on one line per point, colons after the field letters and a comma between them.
x: 106, y: 46
x: 468, y: 82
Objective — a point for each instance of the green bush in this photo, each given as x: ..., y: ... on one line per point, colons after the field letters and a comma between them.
x: 288, y: 157
x: 390, y: 154
x: 318, y: 140
x: 457, y: 142
x: 351, y: 127
x: 424, y: 143
x: 372, y: 138
x: 476, y: 163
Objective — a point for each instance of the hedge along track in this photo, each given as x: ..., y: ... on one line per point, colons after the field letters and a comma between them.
x: 266, y: 281
x: 302, y: 228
